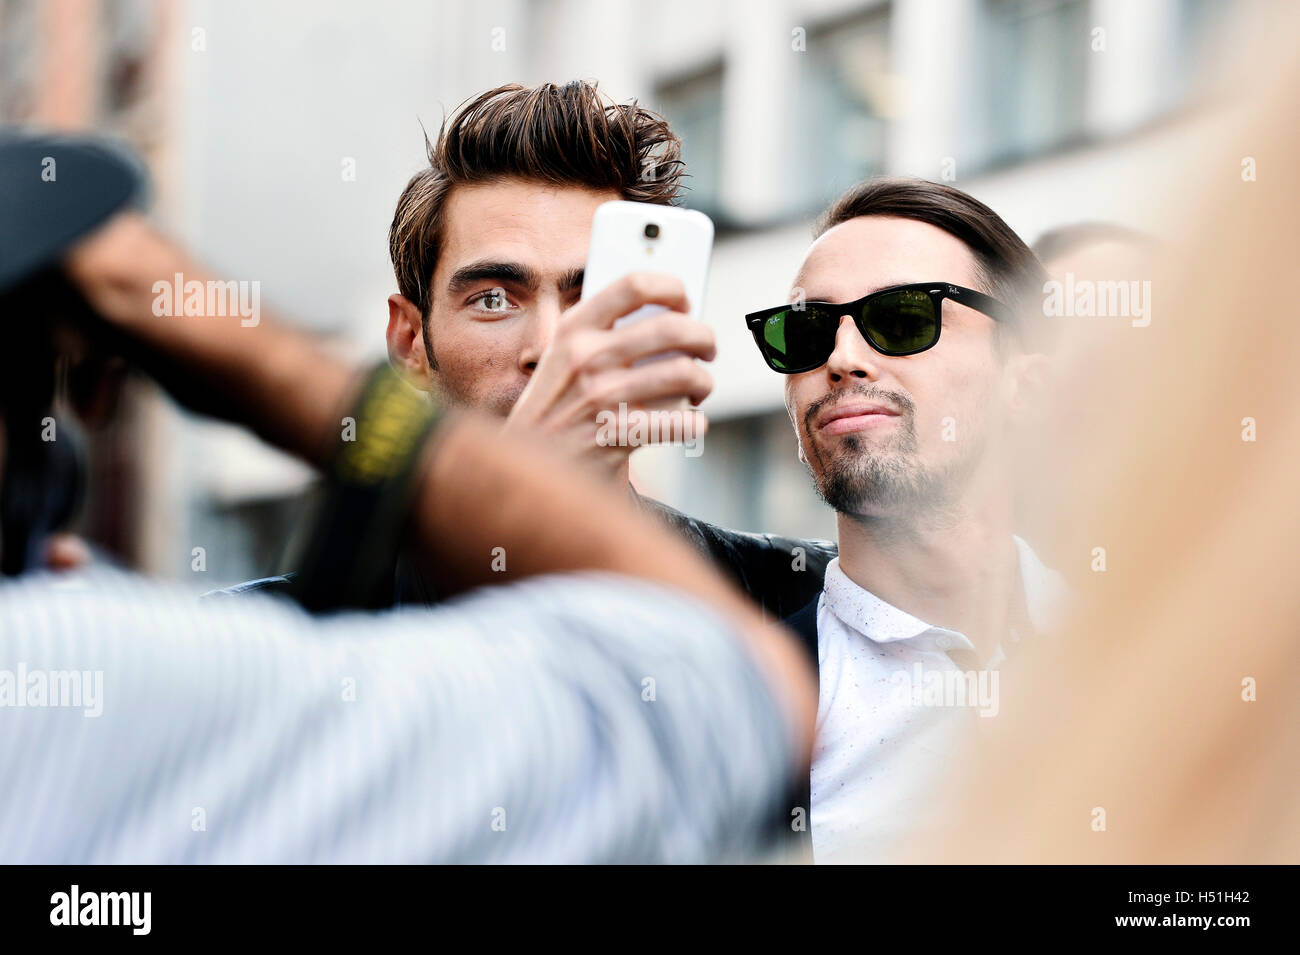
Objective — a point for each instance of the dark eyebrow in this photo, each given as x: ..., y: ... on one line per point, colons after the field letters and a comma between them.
x: 512, y: 272
x: 571, y: 281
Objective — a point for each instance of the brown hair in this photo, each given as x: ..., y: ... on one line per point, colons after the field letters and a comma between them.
x: 563, y: 135
x: 1007, y: 268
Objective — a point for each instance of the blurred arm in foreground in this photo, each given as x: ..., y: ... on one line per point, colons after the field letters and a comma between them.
x: 577, y: 719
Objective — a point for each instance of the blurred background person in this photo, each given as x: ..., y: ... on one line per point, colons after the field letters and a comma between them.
x: 1090, y: 248
x: 1098, y: 291
x: 1163, y: 726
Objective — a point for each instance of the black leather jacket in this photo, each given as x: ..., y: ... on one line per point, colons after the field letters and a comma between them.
x: 781, y: 574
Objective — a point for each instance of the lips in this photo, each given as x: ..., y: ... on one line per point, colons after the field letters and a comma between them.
x: 854, y: 416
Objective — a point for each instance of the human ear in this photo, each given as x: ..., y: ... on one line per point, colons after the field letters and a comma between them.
x: 405, y: 337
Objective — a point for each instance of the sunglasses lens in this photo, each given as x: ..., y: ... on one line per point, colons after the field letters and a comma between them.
x: 797, y: 339
x: 901, y: 322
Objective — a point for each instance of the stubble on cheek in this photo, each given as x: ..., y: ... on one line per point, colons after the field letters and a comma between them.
x: 483, y: 386
x: 469, y: 377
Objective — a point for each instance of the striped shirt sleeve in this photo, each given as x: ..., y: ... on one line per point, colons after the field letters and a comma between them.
x: 588, y: 718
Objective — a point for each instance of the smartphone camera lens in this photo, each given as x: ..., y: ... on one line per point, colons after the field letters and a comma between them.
x: 651, y: 230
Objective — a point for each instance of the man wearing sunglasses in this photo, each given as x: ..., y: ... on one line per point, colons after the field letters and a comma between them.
x: 909, y: 364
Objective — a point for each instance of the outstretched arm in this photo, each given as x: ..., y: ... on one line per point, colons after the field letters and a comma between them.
x: 481, y: 491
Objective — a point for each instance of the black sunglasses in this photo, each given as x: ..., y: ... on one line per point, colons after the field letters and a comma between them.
x: 902, y: 320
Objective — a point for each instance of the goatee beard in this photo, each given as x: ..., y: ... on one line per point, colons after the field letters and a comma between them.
x: 861, y: 476
x: 861, y: 480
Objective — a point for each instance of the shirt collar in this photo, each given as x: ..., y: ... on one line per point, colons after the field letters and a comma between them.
x: 881, y: 622
x: 862, y: 610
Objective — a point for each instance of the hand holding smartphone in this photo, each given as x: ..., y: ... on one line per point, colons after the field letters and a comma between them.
x: 644, y: 237
x: 624, y: 370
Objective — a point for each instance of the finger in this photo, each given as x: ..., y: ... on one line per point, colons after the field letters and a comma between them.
x: 626, y: 295
x: 669, y: 331
x: 65, y: 552
x: 678, y: 377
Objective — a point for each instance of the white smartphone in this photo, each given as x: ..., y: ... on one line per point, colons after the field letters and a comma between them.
x: 644, y: 237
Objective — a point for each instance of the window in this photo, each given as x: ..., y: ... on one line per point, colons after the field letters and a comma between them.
x: 845, y: 99
x: 1199, y: 23
x: 1037, y: 58
x: 693, y: 107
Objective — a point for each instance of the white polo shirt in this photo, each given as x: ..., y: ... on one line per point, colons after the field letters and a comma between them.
x: 894, y: 708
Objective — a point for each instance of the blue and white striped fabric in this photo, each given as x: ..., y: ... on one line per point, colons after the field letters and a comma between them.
x: 563, y: 719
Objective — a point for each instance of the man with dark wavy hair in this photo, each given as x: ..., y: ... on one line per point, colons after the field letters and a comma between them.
x: 489, y: 240
x: 488, y: 245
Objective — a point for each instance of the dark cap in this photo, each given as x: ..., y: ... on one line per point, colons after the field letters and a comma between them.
x: 54, y: 190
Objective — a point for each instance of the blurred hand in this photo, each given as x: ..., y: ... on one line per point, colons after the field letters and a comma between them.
x: 116, y: 266
x: 66, y: 552
x: 590, y: 367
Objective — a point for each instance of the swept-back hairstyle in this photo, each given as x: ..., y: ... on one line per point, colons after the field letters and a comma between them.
x: 1007, y: 269
x: 570, y: 135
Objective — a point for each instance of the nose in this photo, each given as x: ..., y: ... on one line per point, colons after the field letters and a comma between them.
x: 538, y: 332
x: 852, y: 357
